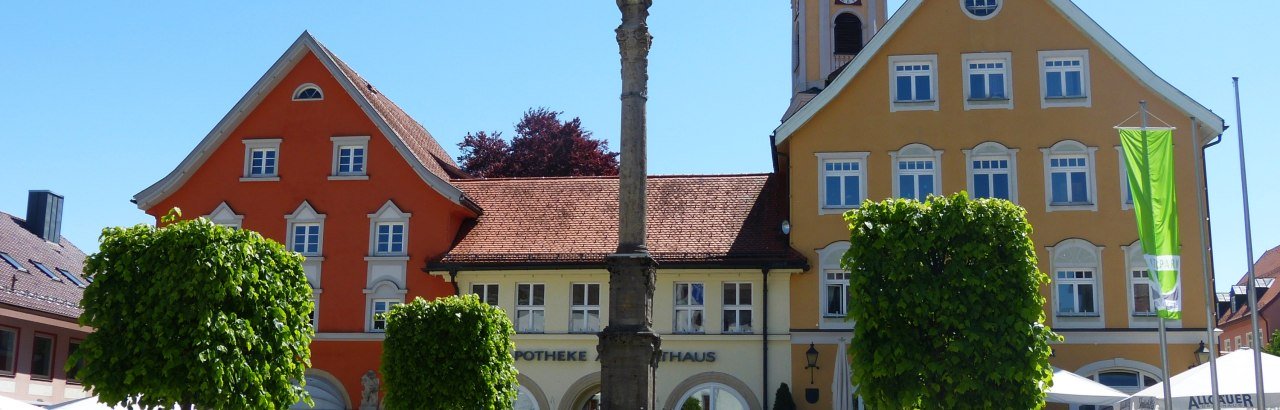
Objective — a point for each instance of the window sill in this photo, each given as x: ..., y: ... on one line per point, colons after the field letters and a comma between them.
x: 1064, y: 102
x: 1067, y: 99
x: 835, y: 211
x: 1071, y: 207
x: 348, y: 177
x: 689, y: 333
x: 35, y: 378
x: 1078, y: 315
x: 260, y: 179
x: 387, y: 258
x: 988, y: 104
x: 312, y: 258
x: 927, y: 105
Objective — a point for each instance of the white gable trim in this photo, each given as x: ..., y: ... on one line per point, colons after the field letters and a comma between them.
x: 175, y: 179
x: 1068, y: 9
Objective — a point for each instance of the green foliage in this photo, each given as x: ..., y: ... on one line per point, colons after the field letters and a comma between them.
x: 782, y: 399
x: 196, y: 314
x: 1273, y: 344
x: 691, y: 404
x: 946, y: 297
x: 453, y: 352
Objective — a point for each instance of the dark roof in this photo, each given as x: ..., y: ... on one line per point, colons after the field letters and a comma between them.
x: 32, y: 289
x: 1267, y: 267
x: 704, y: 221
x: 415, y: 136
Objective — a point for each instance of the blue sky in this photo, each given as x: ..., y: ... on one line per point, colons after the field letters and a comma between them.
x: 106, y: 98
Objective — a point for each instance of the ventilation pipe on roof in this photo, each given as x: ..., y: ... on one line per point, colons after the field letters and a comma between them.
x: 44, y: 214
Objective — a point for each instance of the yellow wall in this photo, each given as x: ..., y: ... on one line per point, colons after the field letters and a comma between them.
x: 738, y: 355
x: 859, y: 120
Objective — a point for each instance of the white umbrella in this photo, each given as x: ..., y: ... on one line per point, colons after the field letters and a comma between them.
x: 87, y: 403
x: 1071, y: 388
x: 1236, y: 385
x: 8, y: 403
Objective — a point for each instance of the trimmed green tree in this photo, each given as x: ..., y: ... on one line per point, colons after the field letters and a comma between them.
x: 782, y: 400
x: 195, y: 314
x: 1273, y: 345
x: 946, y: 299
x: 454, y: 352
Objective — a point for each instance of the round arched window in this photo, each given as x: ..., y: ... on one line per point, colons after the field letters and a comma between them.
x: 981, y: 9
x: 525, y: 400
x: 712, y: 396
x: 307, y: 91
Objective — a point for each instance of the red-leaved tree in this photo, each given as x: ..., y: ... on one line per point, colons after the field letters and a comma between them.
x: 544, y: 146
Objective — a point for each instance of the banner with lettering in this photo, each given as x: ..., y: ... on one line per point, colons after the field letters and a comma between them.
x: 1149, y: 158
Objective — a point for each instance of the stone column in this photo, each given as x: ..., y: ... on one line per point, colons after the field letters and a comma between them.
x: 628, y: 345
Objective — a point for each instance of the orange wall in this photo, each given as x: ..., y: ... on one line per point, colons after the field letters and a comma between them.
x: 304, y: 166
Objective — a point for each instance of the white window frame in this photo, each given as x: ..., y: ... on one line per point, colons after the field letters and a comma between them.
x: 389, y: 214
x: 1135, y: 262
x: 991, y: 151
x: 315, y: 310
x: 532, y: 325
x: 1068, y: 149
x: 691, y: 308
x: 1077, y: 255
x: 352, y: 142
x: 225, y: 216
x: 586, y: 308
x: 737, y: 307
x: 304, y: 86
x: 826, y: 157
x: 1057, y: 102
x: 1126, y: 199
x: 999, y: 5
x: 1142, y: 382
x: 916, y: 153
x: 387, y: 303
x: 835, y: 277
x: 394, y: 238
x: 484, y: 291
x: 1004, y: 59
x: 294, y: 235
x: 829, y: 261
x: 383, y: 290
x: 260, y: 144
x: 913, y: 105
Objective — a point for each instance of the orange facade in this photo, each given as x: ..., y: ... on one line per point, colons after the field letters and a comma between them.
x: 305, y: 158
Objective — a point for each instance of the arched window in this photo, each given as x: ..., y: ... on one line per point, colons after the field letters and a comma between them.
x: 916, y: 172
x: 993, y: 171
x: 848, y: 34
x: 1069, y: 176
x: 525, y: 400
x: 714, y: 396
x: 325, y: 390
x: 1077, y: 294
x: 307, y: 92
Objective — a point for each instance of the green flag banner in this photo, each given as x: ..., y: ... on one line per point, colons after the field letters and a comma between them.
x: 1149, y: 158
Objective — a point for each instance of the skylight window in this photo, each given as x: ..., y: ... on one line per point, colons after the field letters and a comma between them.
x: 71, y: 277
x: 12, y: 262
x: 46, y: 271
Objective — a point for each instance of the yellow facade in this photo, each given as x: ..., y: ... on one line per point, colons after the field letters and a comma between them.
x: 859, y: 117
x: 559, y: 368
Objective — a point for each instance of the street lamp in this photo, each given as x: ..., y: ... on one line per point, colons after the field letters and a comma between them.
x: 811, y: 356
x: 1202, y: 354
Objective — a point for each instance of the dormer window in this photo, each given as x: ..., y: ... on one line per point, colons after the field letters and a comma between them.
x: 308, y: 92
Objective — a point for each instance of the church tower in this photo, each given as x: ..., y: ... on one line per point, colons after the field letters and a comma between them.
x: 826, y: 35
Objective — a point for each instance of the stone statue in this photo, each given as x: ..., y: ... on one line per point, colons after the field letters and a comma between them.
x: 369, y: 395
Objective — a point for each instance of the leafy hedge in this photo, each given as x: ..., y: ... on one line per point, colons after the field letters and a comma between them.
x: 946, y: 300
x: 197, y: 314
x: 453, y: 352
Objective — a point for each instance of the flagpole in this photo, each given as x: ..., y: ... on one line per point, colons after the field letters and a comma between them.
x: 1252, y: 288
x: 1197, y: 161
x: 1164, y: 341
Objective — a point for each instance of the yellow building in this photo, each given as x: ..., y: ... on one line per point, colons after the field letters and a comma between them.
x: 720, y: 298
x: 1009, y: 99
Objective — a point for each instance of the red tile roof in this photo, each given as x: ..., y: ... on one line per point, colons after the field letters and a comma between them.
x: 1268, y: 266
x: 32, y: 289
x: 415, y: 136
x: 721, y: 220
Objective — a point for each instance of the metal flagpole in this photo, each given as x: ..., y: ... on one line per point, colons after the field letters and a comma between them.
x: 1196, y: 151
x: 1252, y: 288
x: 1164, y: 341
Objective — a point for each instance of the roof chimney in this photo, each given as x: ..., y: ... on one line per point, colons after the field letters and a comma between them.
x: 44, y: 215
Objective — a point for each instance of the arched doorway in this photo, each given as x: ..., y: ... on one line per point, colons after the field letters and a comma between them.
x: 712, y: 396
x: 326, y: 392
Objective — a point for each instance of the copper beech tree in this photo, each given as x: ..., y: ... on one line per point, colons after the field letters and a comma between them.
x: 544, y: 146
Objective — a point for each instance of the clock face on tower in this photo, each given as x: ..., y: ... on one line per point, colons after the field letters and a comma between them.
x: 849, y: 2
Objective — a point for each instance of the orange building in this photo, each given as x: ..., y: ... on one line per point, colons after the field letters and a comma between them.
x: 317, y: 158
x: 1233, y: 307
x: 997, y: 98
